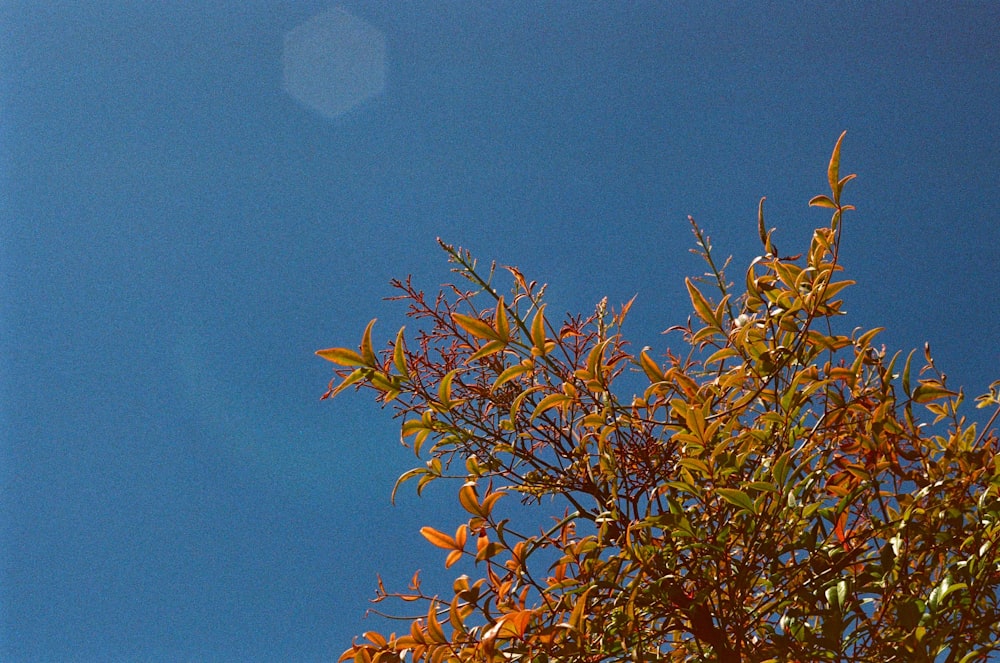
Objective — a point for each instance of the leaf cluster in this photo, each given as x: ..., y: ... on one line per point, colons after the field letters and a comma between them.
x: 771, y: 495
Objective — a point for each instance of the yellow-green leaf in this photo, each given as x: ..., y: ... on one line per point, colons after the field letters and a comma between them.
x: 366, y: 345
x: 490, y: 348
x: 736, y: 498
x: 701, y: 306
x: 503, y: 326
x: 475, y: 326
x: 931, y: 391
x: 651, y: 368
x: 342, y: 356
x: 549, y: 402
x: 356, y: 376
x: 444, y: 389
x: 833, y: 170
x: 509, y: 374
x: 399, y: 356
x: 538, y: 330
x: 822, y: 201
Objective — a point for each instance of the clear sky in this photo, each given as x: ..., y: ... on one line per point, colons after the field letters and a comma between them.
x: 196, y: 196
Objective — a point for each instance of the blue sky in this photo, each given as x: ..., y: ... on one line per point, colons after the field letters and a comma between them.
x: 180, y: 233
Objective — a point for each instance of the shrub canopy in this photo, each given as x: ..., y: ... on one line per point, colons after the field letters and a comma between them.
x: 772, y: 494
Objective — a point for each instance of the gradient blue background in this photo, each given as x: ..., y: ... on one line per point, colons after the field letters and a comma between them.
x: 179, y: 235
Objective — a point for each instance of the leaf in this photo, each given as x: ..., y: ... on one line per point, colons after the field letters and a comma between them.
x: 489, y: 501
x: 760, y: 221
x: 931, y: 390
x: 701, y: 306
x: 439, y: 539
x: 737, y: 498
x: 538, y: 331
x: 490, y: 348
x: 356, y: 376
x: 403, y: 478
x: 822, y: 201
x: 509, y: 374
x: 503, y: 326
x: 434, y: 629
x: 695, y: 465
x: 342, y: 356
x: 475, y: 326
x: 444, y: 389
x: 579, y: 610
x: 906, y: 373
x: 549, y: 402
x: 366, y: 346
x: 467, y: 498
x: 399, y: 356
x: 650, y: 368
x: 721, y: 355
x: 833, y: 170
x: 375, y: 638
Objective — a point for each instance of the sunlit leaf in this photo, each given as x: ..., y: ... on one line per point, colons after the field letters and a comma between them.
x: 737, y: 498
x: 503, y: 326
x: 342, y: 356
x: 434, y: 630
x: 509, y: 374
x: 475, y: 326
x: 488, y: 349
x: 549, y: 402
x: 367, y: 353
x: 822, y: 201
x: 538, y: 331
x: 931, y: 391
x: 701, y: 305
x: 650, y: 368
x: 439, y: 539
x: 398, y: 355
x: 467, y: 498
x: 833, y: 170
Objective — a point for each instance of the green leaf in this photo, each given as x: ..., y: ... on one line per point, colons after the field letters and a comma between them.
x: 696, y: 465
x: 906, y: 373
x: 737, y: 498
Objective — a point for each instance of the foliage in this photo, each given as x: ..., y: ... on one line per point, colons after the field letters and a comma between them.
x: 771, y: 495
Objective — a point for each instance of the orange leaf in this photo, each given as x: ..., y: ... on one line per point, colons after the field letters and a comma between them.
x: 434, y: 629
x: 467, y: 498
x: 439, y: 539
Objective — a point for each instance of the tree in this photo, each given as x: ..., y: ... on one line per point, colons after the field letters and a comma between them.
x: 771, y: 495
